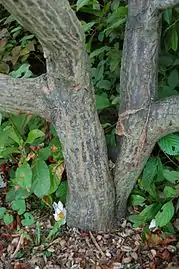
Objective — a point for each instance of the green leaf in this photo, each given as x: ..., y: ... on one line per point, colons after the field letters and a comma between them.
x: 2, y: 212
x: 41, y: 178
x: 61, y: 192
x: 0, y: 118
x: 81, y: 3
x: 97, y: 52
x: 170, y: 144
x: 28, y: 219
x: 169, y: 192
x: 167, y: 15
x: 7, y: 218
x: 44, y: 153
x: 174, y: 39
x: 14, y: 136
x: 136, y: 199
x: 37, y: 233
x: 173, y: 79
x: 104, y: 84
x: 150, y: 211
x: 136, y: 220
x: 102, y: 101
x: 166, y: 61
x: 34, y: 134
x: 22, y: 71
x: 19, y: 122
x: 54, y: 229
x: 88, y: 26
x: 54, y: 183
x: 23, y: 176
x: 19, y: 206
x: 165, y: 214
x: 172, y: 176
x: 149, y: 172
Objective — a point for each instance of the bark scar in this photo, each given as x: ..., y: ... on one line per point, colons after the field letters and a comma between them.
x: 120, y: 129
x: 142, y: 139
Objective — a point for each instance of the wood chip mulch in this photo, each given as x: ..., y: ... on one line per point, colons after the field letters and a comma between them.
x: 73, y: 249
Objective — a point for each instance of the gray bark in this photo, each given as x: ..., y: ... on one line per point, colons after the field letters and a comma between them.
x: 66, y: 96
x: 23, y: 95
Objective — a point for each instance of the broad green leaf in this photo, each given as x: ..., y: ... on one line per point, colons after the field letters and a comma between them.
x: 173, y: 79
x: 172, y: 176
x: 28, y: 219
x: 7, y: 218
x: 102, y: 101
x: 41, y: 178
x: 160, y: 176
x: 149, y: 172
x: 167, y: 15
x: 174, y: 39
x: 150, y: 211
x: 34, y: 134
x: 170, y: 144
x: 19, y: 122
x: 19, y: 206
x: 54, y: 183
x: 23, y: 176
x: 166, y: 61
x: 44, y: 153
x: 14, y: 136
x: 2, y: 212
x: 81, y: 3
x: 104, y: 84
x: 137, y: 220
x: 136, y: 199
x: 153, y: 191
x: 22, y: 194
x: 169, y: 192
x: 61, y: 192
x: 165, y: 214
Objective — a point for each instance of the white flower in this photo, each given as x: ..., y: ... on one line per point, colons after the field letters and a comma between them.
x: 60, y: 212
x: 153, y: 225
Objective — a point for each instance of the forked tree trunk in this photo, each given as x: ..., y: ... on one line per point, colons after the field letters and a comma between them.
x: 66, y: 96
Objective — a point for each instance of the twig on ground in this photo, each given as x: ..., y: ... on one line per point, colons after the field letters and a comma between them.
x: 96, y: 244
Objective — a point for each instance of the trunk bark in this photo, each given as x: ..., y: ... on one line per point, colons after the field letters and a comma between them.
x: 91, y: 194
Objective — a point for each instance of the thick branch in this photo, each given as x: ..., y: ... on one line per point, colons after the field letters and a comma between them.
x: 164, y: 119
x: 164, y: 4
x: 59, y: 31
x: 138, y: 81
x: 22, y: 95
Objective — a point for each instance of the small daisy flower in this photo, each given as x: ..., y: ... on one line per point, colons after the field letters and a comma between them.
x: 60, y: 212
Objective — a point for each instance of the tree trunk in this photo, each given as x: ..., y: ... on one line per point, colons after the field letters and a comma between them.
x: 66, y: 96
x: 138, y: 87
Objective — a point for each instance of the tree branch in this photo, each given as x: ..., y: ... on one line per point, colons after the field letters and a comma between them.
x: 22, y: 95
x: 164, y: 4
x: 59, y: 31
x: 164, y: 118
